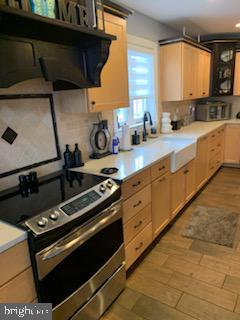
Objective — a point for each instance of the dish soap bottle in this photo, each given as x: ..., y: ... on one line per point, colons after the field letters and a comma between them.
x: 68, y: 157
x: 77, y: 157
x: 115, y: 145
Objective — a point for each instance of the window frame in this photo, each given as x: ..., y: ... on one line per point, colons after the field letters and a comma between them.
x: 149, y: 47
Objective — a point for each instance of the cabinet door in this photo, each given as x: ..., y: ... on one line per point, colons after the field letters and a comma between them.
x: 190, y: 65
x: 232, y: 144
x: 203, y: 73
x: 177, y: 191
x: 202, y: 161
x: 160, y: 203
x: 236, y: 88
x: 190, y: 183
x: 113, y: 92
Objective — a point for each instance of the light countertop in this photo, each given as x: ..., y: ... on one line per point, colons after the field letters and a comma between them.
x: 128, y: 163
x: 146, y: 154
x: 10, y: 236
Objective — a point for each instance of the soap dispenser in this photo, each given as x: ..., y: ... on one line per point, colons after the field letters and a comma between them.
x: 68, y: 157
x: 77, y: 157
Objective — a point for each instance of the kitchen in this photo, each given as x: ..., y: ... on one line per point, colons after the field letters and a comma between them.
x: 119, y: 192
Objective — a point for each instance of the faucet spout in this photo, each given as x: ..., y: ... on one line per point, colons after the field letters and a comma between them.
x: 147, y: 116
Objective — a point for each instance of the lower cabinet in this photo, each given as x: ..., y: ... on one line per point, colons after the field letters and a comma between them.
x: 136, y: 247
x: 16, y: 276
x: 182, y: 187
x: 160, y: 203
x: 202, y: 161
x: 232, y: 144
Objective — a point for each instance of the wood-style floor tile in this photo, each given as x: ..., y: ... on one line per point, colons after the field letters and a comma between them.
x: 154, y: 289
x: 237, y: 309
x: 155, y: 272
x: 232, y: 283
x: 156, y: 257
x: 203, y: 310
x: 181, y: 253
x: 117, y: 312
x: 152, y: 309
x: 196, y: 271
x: 128, y: 298
x: 204, y: 291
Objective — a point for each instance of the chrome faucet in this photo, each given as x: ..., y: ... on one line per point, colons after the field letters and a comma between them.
x: 146, y: 117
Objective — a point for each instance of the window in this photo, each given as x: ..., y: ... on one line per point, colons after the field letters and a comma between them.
x: 141, y: 77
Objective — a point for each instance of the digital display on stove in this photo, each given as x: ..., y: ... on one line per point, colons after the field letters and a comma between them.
x: 80, y: 203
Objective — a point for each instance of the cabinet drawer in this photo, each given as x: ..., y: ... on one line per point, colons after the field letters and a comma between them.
x: 20, y: 289
x: 136, y: 203
x: 136, y: 247
x: 13, y: 261
x: 160, y: 168
x: 135, y: 183
x: 137, y: 224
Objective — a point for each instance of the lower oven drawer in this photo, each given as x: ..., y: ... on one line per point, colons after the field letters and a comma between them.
x: 96, y: 306
x: 136, y: 247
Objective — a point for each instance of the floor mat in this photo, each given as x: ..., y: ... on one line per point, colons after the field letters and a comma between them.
x: 213, y: 225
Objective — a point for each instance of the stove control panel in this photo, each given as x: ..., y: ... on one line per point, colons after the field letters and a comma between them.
x: 73, y: 208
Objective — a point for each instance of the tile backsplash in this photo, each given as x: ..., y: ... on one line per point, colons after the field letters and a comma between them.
x: 74, y: 124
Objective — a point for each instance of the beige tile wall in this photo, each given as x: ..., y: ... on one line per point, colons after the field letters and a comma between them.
x: 73, y: 121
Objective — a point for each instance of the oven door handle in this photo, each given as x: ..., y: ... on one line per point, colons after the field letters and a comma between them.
x: 65, y: 245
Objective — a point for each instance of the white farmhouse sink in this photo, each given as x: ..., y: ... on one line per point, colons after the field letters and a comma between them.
x: 185, y: 151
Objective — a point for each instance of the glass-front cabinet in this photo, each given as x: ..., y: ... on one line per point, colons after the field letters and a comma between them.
x: 223, y: 68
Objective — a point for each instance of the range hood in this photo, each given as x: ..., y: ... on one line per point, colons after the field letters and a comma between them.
x: 33, y: 46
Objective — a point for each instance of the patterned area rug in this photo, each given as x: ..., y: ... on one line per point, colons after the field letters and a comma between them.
x: 212, y: 225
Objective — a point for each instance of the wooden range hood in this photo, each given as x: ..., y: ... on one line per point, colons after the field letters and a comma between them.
x: 33, y: 46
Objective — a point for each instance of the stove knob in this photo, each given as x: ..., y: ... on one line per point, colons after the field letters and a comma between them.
x: 42, y: 222
x: 54, y: 215
x: 109, y: 184
x: 102, y: 188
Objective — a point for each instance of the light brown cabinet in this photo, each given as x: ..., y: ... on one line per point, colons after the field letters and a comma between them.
x: 203, y: 80
x: 236, y: 86
x: 184, y: 72
x: 183, y: 187
x: 177, y: 191
x: 202, y: 161
x: 16, y: 277
x: 232, y: 144
x: 160, y: 203
x: 113, y: 92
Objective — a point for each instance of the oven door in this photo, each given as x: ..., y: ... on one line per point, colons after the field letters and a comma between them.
x: 71, y: 270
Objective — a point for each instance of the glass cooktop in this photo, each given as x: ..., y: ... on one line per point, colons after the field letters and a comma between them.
x: 17, y: 205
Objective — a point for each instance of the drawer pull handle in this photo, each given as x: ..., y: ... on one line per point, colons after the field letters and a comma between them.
x: 136, y: 184
x: 139, y: 247
x: 161, y: 168
x: 138, y: 224
x: 137, y: 204
x: 161, y: 180
x: 186, y: 171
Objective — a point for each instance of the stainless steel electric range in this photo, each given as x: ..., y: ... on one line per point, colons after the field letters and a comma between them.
x: 74, y: 225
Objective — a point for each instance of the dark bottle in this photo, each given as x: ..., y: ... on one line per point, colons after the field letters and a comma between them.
x: 68, y: 157
x: 77, y: 156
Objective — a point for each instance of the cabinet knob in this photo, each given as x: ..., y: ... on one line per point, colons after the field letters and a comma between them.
x: 93, y: 103
x: 204, y: 93
x: 190, y: 94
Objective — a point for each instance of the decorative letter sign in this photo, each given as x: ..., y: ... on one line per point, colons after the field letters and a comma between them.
x: 78, y: 12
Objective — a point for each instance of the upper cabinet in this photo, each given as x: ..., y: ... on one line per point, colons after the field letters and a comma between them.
x: 113, y: 92
x: 184, y: 72
x: 236, y: 88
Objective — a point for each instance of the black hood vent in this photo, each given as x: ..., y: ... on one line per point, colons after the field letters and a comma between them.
x: 33, y: 46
